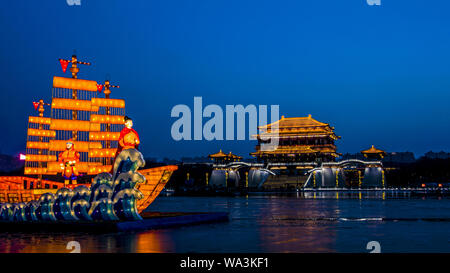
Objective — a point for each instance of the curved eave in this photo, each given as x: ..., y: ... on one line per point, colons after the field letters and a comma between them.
x: 373, y: 151
x: 219, y: 154
x: 308, y: 118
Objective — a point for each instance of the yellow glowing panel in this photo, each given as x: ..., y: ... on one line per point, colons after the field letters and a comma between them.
x: 82, y: 167
x: 69, y: 83
x: 116, y: 103
x: 39, y: 120
x: 29, y: 170
x: 53, y: 167
x: 40, y: 158
x: 71, y: 104
x: 104, y: 135
x: 74, y: 125
x: 107, y: 119
x: 80, y: 146
x: 100, y: 169
x: 42, y: 133
x: 102, y: 153
x: 37, y: 145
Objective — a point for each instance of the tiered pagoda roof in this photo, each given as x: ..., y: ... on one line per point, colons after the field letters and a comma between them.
x: 224, y: 157
x: 297, y: 126
x: 219, y: 154
x: 372, y: 151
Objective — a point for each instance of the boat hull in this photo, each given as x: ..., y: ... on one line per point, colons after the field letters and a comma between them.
x: 13, y: 189
x: 155, y: 181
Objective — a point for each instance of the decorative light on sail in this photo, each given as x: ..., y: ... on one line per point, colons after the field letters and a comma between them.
x: 82, y: 167
x: 69, y: 83
x: 80, y: 146
x: 42, y: 133
x: 37, y: 145
x: 117, y: 103
x: 102, y: 153
x: 40, y: 158
x: 107, y: 119
x: 78, y: 125
x: 29, y: 170
x: 104, y: 135
x: 71, y: 104
x: 39, y: 120
x: 100, y: 169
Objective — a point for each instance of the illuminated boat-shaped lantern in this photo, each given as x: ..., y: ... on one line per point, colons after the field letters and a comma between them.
x: 83, y: 112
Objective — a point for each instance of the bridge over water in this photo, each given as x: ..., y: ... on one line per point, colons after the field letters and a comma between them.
x: 369, y: 174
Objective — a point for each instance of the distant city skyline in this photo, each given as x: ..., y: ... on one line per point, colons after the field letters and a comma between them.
x: 378, y: 74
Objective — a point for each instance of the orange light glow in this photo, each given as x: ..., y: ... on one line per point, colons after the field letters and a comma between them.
x: 40, y: 158
x: 39, y: 120
x: 104, y: 135
x: 107, y: 119
x: 108, y: 102
x: 80, y: 146
x: 35, y: 170
x: 71, y: 104
x: 100, y: 169
x: 69, y: 83
x: 42, y: 133
x: 74, y: 125
x: 102, y: 152
x: 37, y: 145
x: 82, y: 167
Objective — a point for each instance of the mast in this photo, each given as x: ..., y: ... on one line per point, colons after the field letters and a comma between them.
x: 41, y: 114
x: 38, y: 135
x: 35, y: 151
x: 107, y: 93
x: 74, y: 70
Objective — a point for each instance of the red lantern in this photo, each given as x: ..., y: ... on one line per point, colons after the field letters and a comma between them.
x: 64, y: 64
x: 35, y: 104
x: 99, y: 87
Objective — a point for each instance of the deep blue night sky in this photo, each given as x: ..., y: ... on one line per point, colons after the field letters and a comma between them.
x: 379, y: 74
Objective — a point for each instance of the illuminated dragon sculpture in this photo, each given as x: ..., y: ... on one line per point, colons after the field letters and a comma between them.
x: 110, y: 198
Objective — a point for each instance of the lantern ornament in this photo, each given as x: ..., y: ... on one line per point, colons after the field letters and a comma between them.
x: 64, y: 64
x: 74, y: 68
x: 108, y: 87
x: 39, y: 106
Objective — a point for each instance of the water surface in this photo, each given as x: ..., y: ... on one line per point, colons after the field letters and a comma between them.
x: 274, y: 223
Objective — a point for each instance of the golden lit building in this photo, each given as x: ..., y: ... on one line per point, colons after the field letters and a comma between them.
x: 300, y: 139
x: 374, y: 153
x: 221, y: 157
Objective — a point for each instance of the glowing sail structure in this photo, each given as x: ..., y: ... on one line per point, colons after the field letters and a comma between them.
x: 92, y: 121
x: 78, y: 113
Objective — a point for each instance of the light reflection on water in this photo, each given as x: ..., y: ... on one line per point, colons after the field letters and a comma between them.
x: 274, y: 223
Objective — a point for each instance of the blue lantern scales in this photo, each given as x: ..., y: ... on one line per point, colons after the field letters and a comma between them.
x: 110, y: 198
